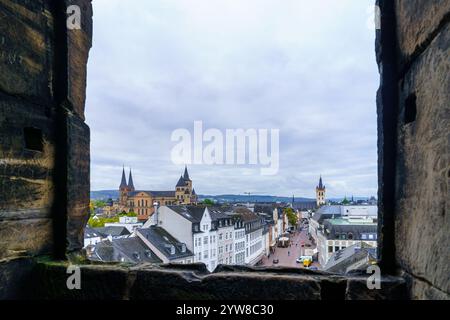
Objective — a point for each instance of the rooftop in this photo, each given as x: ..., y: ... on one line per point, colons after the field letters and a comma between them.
x: 165, y: 242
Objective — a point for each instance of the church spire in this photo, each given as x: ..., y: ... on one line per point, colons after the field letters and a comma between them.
x: 123, y: 182
x: 130, y: 182
x: 320, y: 186
x: 186, y: 174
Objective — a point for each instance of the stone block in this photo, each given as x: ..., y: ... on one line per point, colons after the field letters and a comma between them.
x: 15, y: 278
x: 25, y: 49
x: 423, y: 166
x: 78, y: 180
x: 25, y: 237
x: 417, y: 21
x: 79, y: 43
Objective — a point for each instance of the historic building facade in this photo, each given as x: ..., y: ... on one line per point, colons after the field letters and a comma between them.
x: 142, y: 201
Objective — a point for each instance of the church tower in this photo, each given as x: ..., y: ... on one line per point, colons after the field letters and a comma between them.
x: 183, y: 190
x: 320, y: 193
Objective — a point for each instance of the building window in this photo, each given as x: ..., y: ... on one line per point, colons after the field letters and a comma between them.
x: 205, y: 240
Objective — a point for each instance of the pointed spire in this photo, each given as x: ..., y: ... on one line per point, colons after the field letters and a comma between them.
x: 193, y: 191
x: 293, y: 198
x: 123, y: 182
x: 320, y: 186
x: 130, y: 182
x: 186, y: 174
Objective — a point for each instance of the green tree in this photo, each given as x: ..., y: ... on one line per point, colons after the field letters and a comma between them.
x: 292, y: 217
x: 208, y: 202
x: 99, y: 222
x: 128, y: 214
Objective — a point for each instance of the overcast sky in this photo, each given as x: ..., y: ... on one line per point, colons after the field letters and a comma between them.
x: 304, y: 67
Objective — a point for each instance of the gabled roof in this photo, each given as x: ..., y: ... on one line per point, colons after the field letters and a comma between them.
x: 263, y: 209
x: 341, y: 260
x: 131, y: 250
x: 91, y: 233
x: 304, y: 205
x: 191, y: 213
x: 165, y: 242
x: 326, y: 212
x: 245, y: 214
x: 114, y: 231
x: 195, y: 213
x: 333, y: 228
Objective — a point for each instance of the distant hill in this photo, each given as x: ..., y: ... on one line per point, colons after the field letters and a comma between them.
x: 114, y: 194
x: 104, y: 194
x: 251, y: 198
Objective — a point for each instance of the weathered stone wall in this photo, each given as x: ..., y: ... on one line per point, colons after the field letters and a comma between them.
x: 44, y: 142
x: 421, y: 138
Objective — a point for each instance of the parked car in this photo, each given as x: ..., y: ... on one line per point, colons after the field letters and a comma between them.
x: 275, y: 261
x: 313, y: 268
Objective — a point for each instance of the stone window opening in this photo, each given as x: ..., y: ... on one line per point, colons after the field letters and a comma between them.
x: 60, y: 230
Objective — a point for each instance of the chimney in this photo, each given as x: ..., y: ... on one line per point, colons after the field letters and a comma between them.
x: 155, y: 213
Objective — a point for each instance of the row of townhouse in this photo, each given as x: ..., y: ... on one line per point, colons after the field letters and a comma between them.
x: 219, y: 235
x: 210, y: 235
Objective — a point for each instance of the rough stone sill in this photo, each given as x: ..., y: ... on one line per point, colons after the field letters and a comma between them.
x: 42, y: 278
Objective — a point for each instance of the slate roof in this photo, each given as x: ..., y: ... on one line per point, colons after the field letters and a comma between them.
x: 181, y: 182
x: 341, y: 260
x: 91, y: 233
x: 304, y: 205
x: 163, y: 241
x: 327, y: 212
x: 195, y: 213
x: 191, y: 213
x: 333, y: 229
x: 159, y: 194
x: 114, y: 231
x: 263, y: 209
x: 131, y: 250
x: 246, y: 214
